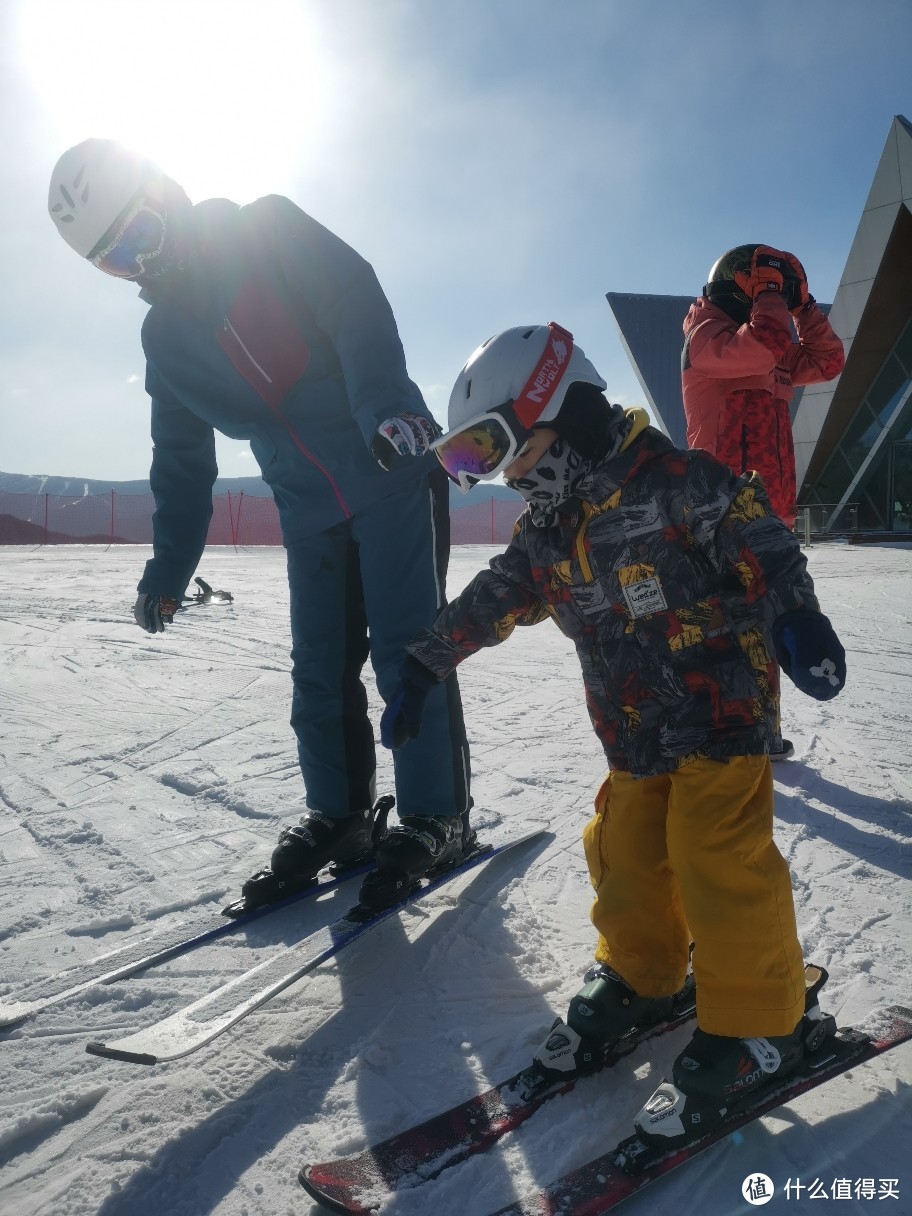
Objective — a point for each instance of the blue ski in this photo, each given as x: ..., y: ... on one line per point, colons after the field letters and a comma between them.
x: 149, y: 952
x: 198, y: 1024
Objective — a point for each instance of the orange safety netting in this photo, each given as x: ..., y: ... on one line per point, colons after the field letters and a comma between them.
x: 237, y: 519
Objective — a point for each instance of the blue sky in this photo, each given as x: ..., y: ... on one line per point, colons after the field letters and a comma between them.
x: 499, y: 162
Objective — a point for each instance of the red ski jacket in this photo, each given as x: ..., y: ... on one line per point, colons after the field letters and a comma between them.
x: 737, y: 382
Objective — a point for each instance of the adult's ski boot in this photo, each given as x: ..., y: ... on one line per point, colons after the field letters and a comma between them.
x: 604, y: 1013
x: 419, y: 847
x: 715, y: 1074
x: 304, y: 849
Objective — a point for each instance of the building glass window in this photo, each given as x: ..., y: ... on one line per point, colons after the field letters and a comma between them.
x: 869, y: 517
x: 879, y: 499
x: 872, y: 500
x: 834, y: 480
x: 903, y: 348
x: 901, y: 487
x: 860, y: 437
x: 903, y: 429
x: 887, y: 389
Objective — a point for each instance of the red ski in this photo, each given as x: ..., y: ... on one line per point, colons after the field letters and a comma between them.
x: 608, y: 1180
x: 357, y: 1184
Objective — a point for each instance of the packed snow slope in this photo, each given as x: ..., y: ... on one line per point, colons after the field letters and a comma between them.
x: 142, y: 779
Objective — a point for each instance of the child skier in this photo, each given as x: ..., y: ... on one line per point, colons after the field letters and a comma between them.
x: 678, y: 585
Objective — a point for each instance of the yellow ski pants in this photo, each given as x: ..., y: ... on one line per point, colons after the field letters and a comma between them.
x: 689, y: 856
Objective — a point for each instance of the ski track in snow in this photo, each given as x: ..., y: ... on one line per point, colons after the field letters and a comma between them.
x: 142, y: 779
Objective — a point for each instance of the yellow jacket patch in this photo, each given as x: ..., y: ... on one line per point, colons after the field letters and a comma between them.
x: 746, y: 506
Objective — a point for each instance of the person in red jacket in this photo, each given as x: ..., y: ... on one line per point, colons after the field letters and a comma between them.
x: 740, y: 365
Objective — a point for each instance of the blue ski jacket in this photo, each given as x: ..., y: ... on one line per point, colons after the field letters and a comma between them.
x: 277, y: 333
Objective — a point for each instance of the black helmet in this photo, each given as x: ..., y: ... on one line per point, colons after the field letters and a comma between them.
x: 722, y: 290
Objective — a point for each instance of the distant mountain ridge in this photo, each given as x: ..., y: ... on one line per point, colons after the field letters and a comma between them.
x: 78, y: 487
x: 33, y: 484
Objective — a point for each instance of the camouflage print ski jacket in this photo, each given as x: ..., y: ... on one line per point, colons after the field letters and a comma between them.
x: 737, y: 383
x: 667, y: 573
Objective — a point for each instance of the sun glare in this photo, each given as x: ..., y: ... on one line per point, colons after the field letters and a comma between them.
x: 223, y: 94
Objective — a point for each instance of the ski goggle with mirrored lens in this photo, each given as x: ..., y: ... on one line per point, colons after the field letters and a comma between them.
x: 485, y: 445
x: 138, y: 236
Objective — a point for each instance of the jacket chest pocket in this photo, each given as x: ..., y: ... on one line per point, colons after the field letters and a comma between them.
x: 572, y: 586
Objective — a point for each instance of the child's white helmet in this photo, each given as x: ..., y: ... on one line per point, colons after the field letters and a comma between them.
x: 515, y: 381
x: 500, y: 370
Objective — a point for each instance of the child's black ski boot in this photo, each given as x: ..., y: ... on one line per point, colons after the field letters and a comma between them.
x: 604, y: 1012
x: 714, y: 1075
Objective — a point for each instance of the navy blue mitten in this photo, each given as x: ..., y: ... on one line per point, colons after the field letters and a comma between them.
x: 810, y: 653
x: 401, y: 719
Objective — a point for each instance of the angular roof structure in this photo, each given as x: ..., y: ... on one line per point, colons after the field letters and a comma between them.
x: 844, y: 430
x: 651, y: 332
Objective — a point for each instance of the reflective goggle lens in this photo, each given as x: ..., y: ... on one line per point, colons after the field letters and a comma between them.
x: 480, y: 450
x: 141, y: 236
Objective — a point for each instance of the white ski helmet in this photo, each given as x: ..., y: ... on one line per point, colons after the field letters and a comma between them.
x: 91, y: 186
x: 513, y: 382
x: 502, y: 368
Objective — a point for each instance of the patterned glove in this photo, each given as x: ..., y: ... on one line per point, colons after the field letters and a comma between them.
x: 401, y: 719
x: 765, y: 272
x: 796, y: 284
x: 401, y: 437
x: 810, y: 653
x: 153, y: 612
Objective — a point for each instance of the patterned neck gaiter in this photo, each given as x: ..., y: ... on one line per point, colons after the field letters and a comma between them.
x: 554, y: 479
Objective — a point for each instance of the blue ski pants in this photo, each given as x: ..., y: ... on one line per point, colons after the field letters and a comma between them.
x: 364, y: 588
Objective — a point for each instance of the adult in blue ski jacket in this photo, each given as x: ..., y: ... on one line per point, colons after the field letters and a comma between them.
x: 267, y: 327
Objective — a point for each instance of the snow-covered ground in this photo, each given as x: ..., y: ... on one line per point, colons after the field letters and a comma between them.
x: 142, y: 779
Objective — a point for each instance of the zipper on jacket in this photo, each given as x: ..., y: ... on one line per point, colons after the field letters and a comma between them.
x: 580, y: 544
x: 744, y: 468
x: 295, y: 438
x: 237, y: 338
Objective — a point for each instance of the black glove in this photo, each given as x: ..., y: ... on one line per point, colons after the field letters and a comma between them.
x: 153, y: 612
x: 810, y: 653
x: 401, y: 437
x: 401, y: 719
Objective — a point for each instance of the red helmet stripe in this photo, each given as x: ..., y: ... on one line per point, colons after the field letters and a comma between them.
x: 547, y: 375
